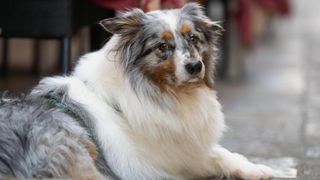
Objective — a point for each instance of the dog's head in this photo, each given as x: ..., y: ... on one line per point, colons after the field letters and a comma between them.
x: 169, y: 48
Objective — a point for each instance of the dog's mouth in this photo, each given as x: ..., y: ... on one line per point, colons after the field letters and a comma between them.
x: 190, y: 84
x: 192, y: 80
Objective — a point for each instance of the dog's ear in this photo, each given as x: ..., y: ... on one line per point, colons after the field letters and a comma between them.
x: 125, y: 23
x: 209, y: 60
x: 195, y: 12
x: 212, y: 32
x: 192, y: 9
x: 214, y: 26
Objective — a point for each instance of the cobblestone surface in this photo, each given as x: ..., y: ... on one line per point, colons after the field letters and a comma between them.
x: 273, y: 114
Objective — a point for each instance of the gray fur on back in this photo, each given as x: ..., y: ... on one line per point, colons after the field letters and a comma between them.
x: 38, y: 140
x: 30, y: 136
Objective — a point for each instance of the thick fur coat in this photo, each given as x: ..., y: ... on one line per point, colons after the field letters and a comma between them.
x: 143, y: 107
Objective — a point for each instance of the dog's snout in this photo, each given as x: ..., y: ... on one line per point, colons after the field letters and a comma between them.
x: 194, y: 68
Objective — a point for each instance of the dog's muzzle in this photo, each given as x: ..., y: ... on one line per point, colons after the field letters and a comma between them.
x: 194, y: 68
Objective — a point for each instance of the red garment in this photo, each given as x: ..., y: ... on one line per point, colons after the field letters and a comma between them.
x: 143, y: 4
x: 243, y: 19
x: 172, y: 3
x: 244, y: 15
x: 278, y: 6
x: 118, y: 4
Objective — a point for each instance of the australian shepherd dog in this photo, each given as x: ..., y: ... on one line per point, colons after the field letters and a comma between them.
x: 141, y: 108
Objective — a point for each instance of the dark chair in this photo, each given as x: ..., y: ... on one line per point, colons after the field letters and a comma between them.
x: 37, y: 19
x: 48, y: 19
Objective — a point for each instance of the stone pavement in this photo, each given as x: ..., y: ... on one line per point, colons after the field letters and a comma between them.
x: 273, y: 114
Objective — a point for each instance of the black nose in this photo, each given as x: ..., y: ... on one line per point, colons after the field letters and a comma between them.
x: 193, y: 67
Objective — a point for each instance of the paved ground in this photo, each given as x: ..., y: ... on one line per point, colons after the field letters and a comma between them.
x: 273, y: 114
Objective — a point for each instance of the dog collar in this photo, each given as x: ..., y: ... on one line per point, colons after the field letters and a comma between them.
x: 57, y: 101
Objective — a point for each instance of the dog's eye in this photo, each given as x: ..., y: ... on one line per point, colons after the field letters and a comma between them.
x: 194, y: 39
x: 164, y: 47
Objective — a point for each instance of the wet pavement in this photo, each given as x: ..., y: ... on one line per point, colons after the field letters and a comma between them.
x: 273, y: 113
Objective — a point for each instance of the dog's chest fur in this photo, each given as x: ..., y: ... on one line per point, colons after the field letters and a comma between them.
x: 171, y: 138
x: 182, y: 137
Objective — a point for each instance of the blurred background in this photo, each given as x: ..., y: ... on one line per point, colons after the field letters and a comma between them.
x: 268, y: 70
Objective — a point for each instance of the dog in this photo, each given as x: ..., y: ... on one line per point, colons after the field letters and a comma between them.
x: 141, y: 108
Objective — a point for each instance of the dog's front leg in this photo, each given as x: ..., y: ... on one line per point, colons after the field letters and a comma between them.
x: 226, y: 163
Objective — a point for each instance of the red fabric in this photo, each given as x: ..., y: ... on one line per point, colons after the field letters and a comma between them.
x: 244, y: 14
x: 243, y: 19
x: 118, y: 4
x: 143, y: 4
x: 277, y: 6
x: 172, y: 3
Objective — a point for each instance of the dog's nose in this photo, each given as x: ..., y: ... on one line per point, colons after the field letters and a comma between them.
x: 193, y: 68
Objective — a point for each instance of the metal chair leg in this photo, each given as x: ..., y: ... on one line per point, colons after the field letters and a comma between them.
x: 224, y: 66
x: 65, y: 55
x: 4, y: 64
x: 36, y: 58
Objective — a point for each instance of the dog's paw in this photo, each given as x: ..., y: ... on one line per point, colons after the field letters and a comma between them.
x: 255, y: 172
x: 285, y: 173
x: 258, y: 172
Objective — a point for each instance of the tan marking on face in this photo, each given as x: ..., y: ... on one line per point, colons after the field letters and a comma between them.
x: 186, y: 28
x: 189, y: 87
x: 164, y: 77
x: 167, y: 35
x: 162, y: 74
